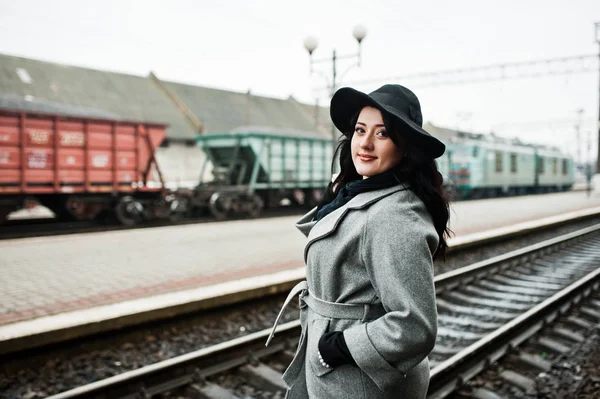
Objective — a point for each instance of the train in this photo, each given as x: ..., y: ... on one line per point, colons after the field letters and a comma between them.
x: 82, y: 168
x: 493, y: 166
x: 260, y: 167
x: 96, y: 168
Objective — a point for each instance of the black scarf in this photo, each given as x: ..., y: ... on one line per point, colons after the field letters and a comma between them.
x: 353, y: 188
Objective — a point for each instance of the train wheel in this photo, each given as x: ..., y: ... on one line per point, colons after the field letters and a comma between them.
x: 57, y: 206
x: 179, y: 209
x: 219, y: 206
x: 129, y: 211
x: 299, y: 197
x: 256, y: 206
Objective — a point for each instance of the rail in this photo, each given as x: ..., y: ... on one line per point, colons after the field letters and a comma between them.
x: 563, y: 287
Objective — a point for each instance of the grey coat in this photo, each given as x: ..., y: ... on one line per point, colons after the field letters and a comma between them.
x: 377, y: 251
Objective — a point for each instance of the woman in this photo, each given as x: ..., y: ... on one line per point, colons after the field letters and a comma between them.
x: 368, y: 309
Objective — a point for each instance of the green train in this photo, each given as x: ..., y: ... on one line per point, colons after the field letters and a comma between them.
x: 479, y: 168
x: 257, y: 168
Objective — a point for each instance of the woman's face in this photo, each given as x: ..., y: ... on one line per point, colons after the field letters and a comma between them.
x: 373, y: 151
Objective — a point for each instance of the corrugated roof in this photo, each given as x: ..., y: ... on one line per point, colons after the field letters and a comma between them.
x: 130, y: 97
x: 441, y: 133
x: 279, y: 131
x: 320, y: 116
x: 52, y: 87
x: 28, y: 103
x: 450, y: 135
x: 222, y: 111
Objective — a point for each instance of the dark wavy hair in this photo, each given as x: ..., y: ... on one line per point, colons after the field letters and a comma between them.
x: 416, y: 169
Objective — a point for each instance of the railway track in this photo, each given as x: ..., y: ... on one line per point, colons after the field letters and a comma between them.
x: 506, y: 300
x: 25, y: 228
x: 559, y: 361
x: 485, y: 310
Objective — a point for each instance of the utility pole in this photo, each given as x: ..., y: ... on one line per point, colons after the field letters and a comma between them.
x: 578, y: 161
x: 248, y: 117
x: 598, y: 41
x: 597, y: 175
x: 334, y: 88
x: 588, y: 164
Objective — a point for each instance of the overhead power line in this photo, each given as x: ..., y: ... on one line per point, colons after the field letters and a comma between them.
x: 549, y: 123
x: 486, y: 73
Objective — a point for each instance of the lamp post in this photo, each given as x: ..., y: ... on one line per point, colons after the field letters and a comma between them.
x: 597, y: 176
x: 310, y: 44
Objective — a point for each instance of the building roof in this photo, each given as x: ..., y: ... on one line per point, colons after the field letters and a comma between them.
x: 449, y: 135
x: 188, y: 110
x: 221, y: 110
x: 31, y: 104
x: 129, y: 97
x: 280, y: 131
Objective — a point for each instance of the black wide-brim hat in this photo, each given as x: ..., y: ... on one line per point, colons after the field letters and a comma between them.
x: 394, y: 100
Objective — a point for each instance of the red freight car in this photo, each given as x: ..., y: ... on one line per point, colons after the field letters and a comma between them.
x: 81, y: 168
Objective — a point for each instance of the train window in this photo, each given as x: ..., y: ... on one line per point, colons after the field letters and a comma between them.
x: 513, y: 163
x: 555, y: 166
x: 498, y: 162
x: 475, y: 152
x: 564, y: 166
x: 540, y: 165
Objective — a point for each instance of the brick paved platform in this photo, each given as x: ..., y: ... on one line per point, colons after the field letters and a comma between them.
x: 50, y: 275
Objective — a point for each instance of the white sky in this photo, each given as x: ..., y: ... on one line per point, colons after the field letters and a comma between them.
x: 258, y: 45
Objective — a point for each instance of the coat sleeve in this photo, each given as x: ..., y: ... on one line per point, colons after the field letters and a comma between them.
x: 396, y: 251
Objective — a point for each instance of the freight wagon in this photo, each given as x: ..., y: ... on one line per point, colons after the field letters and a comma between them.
x: 256, y: 168
x: 81, y: 168
x: 480, y: 168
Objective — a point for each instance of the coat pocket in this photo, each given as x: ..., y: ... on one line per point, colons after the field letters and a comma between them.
x: 318, y: 328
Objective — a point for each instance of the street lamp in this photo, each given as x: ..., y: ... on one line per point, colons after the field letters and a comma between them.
x: 310, y: 44
x: 597, y: 176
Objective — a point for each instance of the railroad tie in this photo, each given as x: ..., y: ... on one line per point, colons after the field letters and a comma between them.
x: 594, y: 303
x: 482, y: 393
x: 590, y: 313
x: 443, y: 350
x: 553, y: 345
x: 579, y: 322
x: 535, y: 361
x: 212, y: 391
x: 264, y: 377
x: 569, y: 334
x: 519, y: 380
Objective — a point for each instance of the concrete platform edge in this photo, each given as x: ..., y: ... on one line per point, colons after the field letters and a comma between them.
x: 66, y: 326
x: 470, y: 240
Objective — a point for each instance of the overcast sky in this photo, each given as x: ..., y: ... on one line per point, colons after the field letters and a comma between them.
x: 258, y: 46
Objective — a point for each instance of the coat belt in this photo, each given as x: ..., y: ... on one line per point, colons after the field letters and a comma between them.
x: 298, y: 288
x: 334, y: 310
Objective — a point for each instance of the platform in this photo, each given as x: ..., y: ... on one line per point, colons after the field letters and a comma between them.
x: 51, y: 275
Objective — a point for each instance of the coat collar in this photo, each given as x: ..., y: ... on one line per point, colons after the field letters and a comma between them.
x: 327, y: 225
x: 306, y: 224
